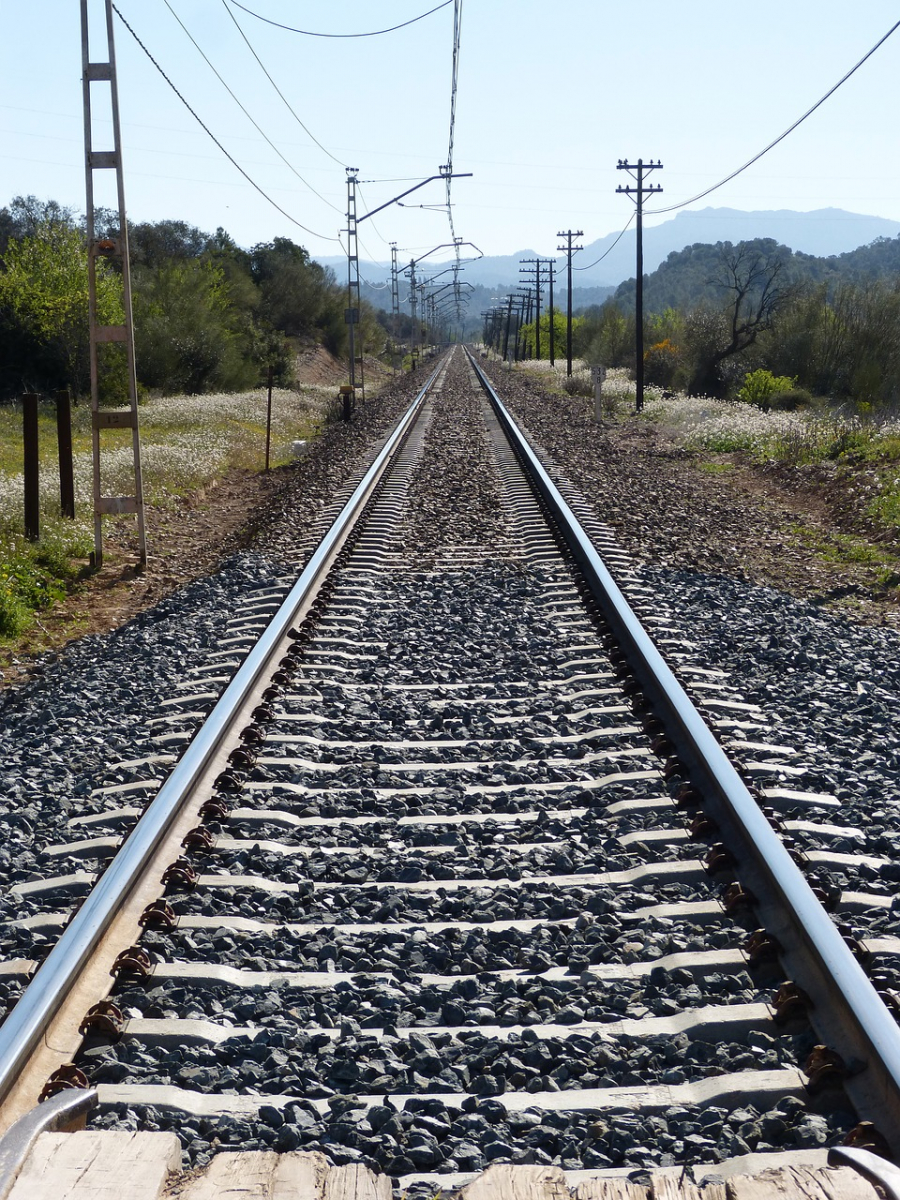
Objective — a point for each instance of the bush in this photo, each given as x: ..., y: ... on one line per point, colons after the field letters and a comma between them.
x: 661, y: 362
x: 791, y: 400
x: 760, y: 386
x: 578, y: 385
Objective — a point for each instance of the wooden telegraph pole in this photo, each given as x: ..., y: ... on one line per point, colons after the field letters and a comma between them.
x: 636, y: 171
x: 569, y: 250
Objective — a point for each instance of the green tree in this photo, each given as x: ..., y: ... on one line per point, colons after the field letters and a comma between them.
x: 44, y: 309
x: 187, y: 337
x: 609, y: 337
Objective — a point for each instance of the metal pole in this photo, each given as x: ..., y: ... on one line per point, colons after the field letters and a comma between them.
x: 126, y: 293
x: 100, y: 72
x: 395, y: 306
x: 506, y: 335
x: 353, y: 301
x: 64, y: 446
x: 269, y: 419
x: 31, y: 469
x: 551, y: 264
x: 414, y: 316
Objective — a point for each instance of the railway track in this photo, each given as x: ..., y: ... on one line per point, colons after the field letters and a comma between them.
x: 456, y: 872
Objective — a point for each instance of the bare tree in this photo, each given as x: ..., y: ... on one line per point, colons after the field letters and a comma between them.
x: 751, y: 276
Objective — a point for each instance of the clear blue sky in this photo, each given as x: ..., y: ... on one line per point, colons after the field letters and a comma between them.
x: 551, y: 95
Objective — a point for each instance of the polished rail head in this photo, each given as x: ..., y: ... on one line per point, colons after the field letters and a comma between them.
x: 847, y: 1000
x: 42, y: 998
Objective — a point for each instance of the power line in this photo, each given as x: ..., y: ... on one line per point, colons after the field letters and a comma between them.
x: 210, y: 134
x: 609, y: 249
x: 457, y: 30
x: 253, y: 122
x: 756, y: 157
x: 277, y: 88
x: 310, y: 33
x: 374, y: 226
x: 376, y: 287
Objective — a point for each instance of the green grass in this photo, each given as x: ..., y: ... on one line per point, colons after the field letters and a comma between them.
x: 715, y: 468
x: 34, y: 575
x: 885, y: 508
x: 843, y: 549
x: 187, y: 443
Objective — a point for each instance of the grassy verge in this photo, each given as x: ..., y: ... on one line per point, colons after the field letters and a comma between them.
x: 187, y: 442
x: 861, y: 453
x: 852, y: 460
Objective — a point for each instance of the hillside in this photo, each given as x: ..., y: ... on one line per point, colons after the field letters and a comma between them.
x: 687, y: 277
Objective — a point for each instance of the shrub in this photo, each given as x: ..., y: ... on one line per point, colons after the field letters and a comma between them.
x: 578, y: 385
x: 661, y: 362
x: 760, y: 386
x: 791, y: 400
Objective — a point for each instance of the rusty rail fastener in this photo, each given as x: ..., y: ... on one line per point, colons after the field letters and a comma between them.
x: 158, y: 915
x: 65, y: 1078
x: 104, y: 1019
x: 790, y: 1003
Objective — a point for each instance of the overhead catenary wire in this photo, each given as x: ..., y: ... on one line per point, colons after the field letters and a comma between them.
x: 376, y: 287
x: 324, y: 236
x: 378, y: 232
x: 454, y: 83
x: 243, y: 109
x: 790, y: 129
x: 287, y: 104
x: 312, y: 33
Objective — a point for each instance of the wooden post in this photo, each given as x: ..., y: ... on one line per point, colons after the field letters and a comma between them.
x: 64, y: 442
x: 31, y: 469
x: 269, y: 420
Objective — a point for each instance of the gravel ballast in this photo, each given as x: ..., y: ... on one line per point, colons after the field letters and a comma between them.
x: 828, y: 689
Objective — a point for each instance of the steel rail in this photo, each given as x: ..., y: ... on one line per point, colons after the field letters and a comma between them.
x: 45, y: 993
x: 847, y: 1005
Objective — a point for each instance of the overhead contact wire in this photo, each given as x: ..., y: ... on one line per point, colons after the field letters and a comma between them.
x: 311, y: 33
x: 304, y: 127
x: 212, y: 136
x: 756, y: 157
x: 252, y: 121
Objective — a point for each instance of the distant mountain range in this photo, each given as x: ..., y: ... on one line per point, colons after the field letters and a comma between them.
x: 823, y: 233
x: 694, y: 276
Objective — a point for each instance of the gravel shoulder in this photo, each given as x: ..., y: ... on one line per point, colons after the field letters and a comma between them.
x: 716, y: 514
x: 761, y: 526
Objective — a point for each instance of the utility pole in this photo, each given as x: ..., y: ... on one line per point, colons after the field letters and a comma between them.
x: 570, y: 250
x: 414, y: 332
x: 351, y: 316
x: 107, y: 337
x: 552, y: 271
x: 520, y: 320
x: 395, y: 305
x: 636, y: 171
x: 536, y: 264
x: 509, y: 305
